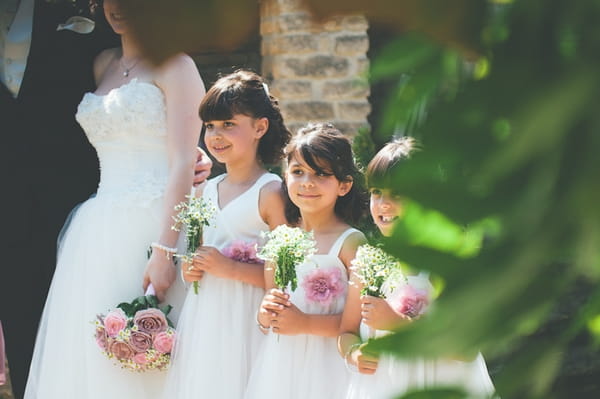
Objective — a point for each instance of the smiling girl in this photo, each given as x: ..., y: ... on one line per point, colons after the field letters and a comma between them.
x: 218, y: 339
x: 299, y: 358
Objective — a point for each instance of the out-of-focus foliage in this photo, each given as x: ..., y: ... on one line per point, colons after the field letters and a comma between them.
x: 513, y: 155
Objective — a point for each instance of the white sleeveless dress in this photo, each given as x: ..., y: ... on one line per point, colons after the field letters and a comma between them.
x: 395, y: 376
x: 102, y: 255
x: 305, y: 366
x: 218, y: 338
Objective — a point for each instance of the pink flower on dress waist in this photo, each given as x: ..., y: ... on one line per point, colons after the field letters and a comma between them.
x: 140, y: 341
x: 163, y: 342
x: 114, y: 322
x: 323, y: 285
x: 122, y: 350
x: 150, y: 320
x: 242, y: 251
x: 409, y: 301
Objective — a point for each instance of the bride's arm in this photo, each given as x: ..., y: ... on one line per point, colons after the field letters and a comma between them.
x: 183, y: 89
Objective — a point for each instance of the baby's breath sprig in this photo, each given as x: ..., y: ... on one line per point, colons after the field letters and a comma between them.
x: 287, y: 247
x: 193, y: 215
x: 374, y: 266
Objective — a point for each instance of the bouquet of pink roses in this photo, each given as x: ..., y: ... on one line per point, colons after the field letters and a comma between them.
x: 138, y: 334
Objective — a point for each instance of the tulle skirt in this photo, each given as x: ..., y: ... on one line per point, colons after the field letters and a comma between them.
x: 101, y: 260
x: 395, y: 377
x: 298, y: 367
x: 218, y: 341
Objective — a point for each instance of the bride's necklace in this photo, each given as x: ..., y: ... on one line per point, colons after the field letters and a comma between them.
x: 127, y: 69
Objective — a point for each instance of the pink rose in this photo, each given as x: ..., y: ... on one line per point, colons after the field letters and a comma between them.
x: 141, y: 359
x: 324, y: 285
x: 410, y: 301
x: 140, y: 341
x: 163, y: 342
x: 114, y: 322
x: 121, y: 350
x: 101, y: 338
x: 150, y: 320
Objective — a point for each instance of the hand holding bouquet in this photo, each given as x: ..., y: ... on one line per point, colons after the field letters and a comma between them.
x: 193, y: 215
x: 137, y: 334
x: 287, y: 247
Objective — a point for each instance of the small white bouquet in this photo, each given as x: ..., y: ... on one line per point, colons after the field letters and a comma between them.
x: 374, y: 267
x: 287, y: 247
x: 193, y: 215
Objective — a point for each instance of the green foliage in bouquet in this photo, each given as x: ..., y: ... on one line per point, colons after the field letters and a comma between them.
x: 145, y: 302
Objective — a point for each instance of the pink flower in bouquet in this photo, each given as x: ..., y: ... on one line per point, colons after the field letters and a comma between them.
x: 242, y: 251
x: 114, y: 322
x: 141, y: 359
x: 163, y: 342
x: 410, y: 301
x: 101, y: 338
x: 323, y: 285
x: 120, y: 349
x: 140, y: 341
x: 150, y: 320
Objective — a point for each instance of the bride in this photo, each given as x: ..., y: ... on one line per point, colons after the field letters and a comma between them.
x: 143, y: 121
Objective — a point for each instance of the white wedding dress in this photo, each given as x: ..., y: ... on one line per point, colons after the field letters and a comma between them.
x: 103, y: 255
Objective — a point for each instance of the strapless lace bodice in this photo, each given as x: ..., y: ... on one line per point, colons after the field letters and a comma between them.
x: 127, y: 126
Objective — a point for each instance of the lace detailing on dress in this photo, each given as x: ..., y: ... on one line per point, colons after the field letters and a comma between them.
x: 128, y: 128
x: 137, y: 108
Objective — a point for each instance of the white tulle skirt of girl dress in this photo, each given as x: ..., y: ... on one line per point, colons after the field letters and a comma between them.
x: 395, y: 376
x: 218, y: 341
x: 101, y: 262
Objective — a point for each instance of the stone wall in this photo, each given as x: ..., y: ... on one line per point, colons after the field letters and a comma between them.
x: 317, y: 69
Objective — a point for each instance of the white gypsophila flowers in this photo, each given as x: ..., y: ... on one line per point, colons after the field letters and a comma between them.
x: 287, y: 247
x: 373, y: 266
x: 196, y: 211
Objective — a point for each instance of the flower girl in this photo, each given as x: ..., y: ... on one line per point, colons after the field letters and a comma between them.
x: 407, y: 298
x: 218, y: 336
x: 299, y: 359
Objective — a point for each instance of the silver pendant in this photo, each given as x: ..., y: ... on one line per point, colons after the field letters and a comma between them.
x: 126, y: 73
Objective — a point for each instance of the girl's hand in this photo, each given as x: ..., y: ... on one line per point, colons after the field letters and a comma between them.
x: 210, y: 260
x: 191, y: 273
x: 288, y: 321
x: 377, y: 313
x: 160, y: 271
x: 272, y: 304
x: 366, y: 362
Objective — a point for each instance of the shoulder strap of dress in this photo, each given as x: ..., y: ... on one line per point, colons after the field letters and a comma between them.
x: 210, y: 190
x: 337, y: 245
x: 264, y: 179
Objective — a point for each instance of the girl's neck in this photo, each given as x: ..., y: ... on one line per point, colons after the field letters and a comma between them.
x: 320, y: 222
x: 244, y: 175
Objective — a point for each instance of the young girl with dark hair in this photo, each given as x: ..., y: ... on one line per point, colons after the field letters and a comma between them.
x: 218, y: 339
x: 298, y: 358
x: 368, y: 316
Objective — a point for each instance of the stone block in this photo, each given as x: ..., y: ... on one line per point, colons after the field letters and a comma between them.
x: 290, y: 44
x: 319, y: 66
x: 295, y: 22
x: 307, y: 111
x: 286, y: 90
x: 352, y: 44
x: 353, y: 110
x: 346, y: 89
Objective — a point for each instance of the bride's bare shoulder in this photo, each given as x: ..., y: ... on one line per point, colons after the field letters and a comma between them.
x: 103, y: 60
